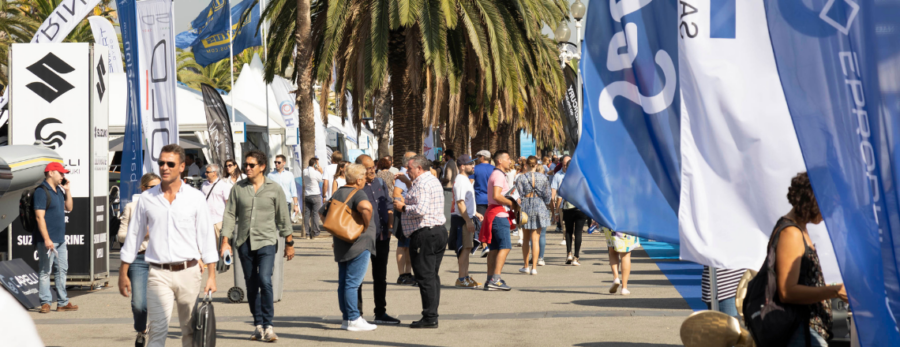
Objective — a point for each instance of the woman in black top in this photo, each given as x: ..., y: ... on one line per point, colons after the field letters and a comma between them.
x: 797, y: 268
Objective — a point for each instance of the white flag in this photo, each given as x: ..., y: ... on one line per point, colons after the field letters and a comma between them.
x: 105, y: 35
x: 156, y: 40
x: 739, y: 150
x: 56, y: 27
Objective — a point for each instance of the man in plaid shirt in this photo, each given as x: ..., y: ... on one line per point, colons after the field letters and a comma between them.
x: 423, y: 223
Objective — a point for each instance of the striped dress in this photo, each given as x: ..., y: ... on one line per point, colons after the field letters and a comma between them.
x: 727, y: 281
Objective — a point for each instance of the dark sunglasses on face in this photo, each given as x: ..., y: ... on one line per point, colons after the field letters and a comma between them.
x: 278, y: 162
x: 229, y: 165
x: 151, y: 187
x: 209, y: 172
x: 170, y: 164
x: 248, y: 165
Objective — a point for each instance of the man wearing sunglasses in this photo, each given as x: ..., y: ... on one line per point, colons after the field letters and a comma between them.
x: 181, y: 236
x: 285, y: 179
x: 258, y: 207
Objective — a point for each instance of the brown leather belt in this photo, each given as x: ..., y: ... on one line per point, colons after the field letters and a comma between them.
x: 142, y: 252
x: 176, y: 266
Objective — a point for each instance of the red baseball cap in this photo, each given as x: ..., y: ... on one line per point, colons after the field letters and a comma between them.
x: 54, y: 166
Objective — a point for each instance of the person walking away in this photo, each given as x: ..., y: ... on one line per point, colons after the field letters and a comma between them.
x: 285, y: 179
x: 353, y: 257
x: 181, y: 236
x: 312, y: 197
x: 464, y: 219
x: 401, y: 187
x: 338, y: 180
x: 542, y: 169
x: 50, y: 207
x: 258, y: 206
x: 139, y: 270
x: 535, y: 195
x: 217, y: 192
x: 330, y: 171
x: 726, y: 289
x: 233, y: 172
x: 555, y: 181
x: 798, y: 272
x: 423, y: 223
x: 495, y: 229
x: 619, y: 245
x: 383, y: 210
x: 452, y: 170
x: 574, y: 220
x: 481, y: 174
x: 385, y: 174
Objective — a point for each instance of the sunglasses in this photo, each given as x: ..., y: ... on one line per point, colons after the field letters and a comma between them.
x: 151, y: 187
x: 248, y: 165
x: 209, y: 172
x: 278, y: 162
x: 170, y: 164
x: 229, y: 165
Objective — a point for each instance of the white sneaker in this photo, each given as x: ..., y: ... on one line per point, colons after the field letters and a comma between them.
x: 615, y: 286
x: 257, y: 334
x: 563, y: 243
x: 525, y: 270
x: 270, y: 335
x: 519, y: 244
x: 541, y: 262
x: 515, y: 233
x: 626, y: 291
x: 344, y: 324
x: 534, y: 271
x: 360, y: 324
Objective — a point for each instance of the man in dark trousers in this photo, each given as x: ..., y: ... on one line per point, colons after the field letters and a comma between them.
x: 383, y: 207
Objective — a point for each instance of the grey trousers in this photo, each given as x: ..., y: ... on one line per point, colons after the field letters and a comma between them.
x: 311, y: 206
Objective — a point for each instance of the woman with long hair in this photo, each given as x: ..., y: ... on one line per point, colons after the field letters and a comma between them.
x: 233, y: 172
x: 534, y: 190
x: 338, y: 180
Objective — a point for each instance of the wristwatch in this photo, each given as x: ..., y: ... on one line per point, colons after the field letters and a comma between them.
x: 289, y: 243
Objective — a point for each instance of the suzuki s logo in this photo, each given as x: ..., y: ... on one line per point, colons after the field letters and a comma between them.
x: 47, y: 69
x: 101, y: 71
x: 54, y: 140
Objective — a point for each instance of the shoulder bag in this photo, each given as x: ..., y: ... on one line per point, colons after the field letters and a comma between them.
x: 343, y: 222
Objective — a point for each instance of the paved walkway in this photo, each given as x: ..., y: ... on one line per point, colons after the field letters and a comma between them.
x: 561, y: 306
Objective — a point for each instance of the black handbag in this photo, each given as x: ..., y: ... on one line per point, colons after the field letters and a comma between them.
x: 204, y: 323
x: 771, y: 322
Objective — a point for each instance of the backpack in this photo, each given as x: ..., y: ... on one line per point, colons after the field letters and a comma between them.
x: 26, y: 209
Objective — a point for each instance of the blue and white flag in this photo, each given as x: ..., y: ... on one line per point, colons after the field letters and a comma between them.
x: 132, y: 147
x: 212, y: 20
x: 214, y: 47
x: 625, y: 171
x: 839, y: 63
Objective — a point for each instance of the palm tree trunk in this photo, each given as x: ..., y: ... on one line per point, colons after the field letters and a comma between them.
x: 383, y: 119
x: 407, y: 102
x: 304, y: 82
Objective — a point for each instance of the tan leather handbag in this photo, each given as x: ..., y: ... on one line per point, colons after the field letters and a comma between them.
x: 343, y: 222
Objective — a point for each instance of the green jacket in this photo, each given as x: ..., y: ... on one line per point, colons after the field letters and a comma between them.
x: 259, y: 215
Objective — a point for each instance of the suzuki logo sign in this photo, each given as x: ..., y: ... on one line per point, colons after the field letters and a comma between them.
x: 47, y: 69
x: 54, y: 140
x: 101, y: 71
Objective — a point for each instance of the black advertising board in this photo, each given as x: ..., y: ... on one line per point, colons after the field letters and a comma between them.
x: 77, y: 240
x: 101, y: 237
x: 22, y: 282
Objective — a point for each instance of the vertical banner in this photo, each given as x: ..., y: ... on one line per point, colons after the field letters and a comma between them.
x: 739, y: 150
x: 221, y: 147
x: 286, y: 106
x: 428, y: 145
x: 630, y: 129
x: 157, y: 77
x: 50, y: 104
x: 99, y: 165
x: 570, y: 108
x: 132, y: 147
x: 105, y: 35
x: 839, y: 64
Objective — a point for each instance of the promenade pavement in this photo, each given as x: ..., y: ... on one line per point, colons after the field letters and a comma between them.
x: 561, y: 306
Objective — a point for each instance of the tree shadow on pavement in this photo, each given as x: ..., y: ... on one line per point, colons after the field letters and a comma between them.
x: 619, y: 301
x: 621, y: 344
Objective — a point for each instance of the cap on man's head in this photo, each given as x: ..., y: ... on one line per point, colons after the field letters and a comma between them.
x: 484, y: 153
x: 54, y: 166
x: 464, y: 159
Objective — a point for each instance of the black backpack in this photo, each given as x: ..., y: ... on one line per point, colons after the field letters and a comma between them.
x: 26, y: 208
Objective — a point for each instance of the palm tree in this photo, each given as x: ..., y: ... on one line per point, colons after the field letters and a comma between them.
x: 217, y: 75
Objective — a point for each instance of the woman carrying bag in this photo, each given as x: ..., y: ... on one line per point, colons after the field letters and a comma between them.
x: 348, y: 217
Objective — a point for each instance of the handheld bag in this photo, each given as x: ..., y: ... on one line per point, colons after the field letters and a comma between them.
x: 771, y: 322
x: 343, y: 222
x: 204, y: 323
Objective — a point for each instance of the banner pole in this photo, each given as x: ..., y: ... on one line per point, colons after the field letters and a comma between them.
x: 713, y: 289
x: 231, y: 57
x: 262, y: 5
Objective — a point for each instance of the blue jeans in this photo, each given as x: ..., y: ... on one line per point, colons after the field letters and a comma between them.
x: 257, y: 266
x: 138, y: 273
x: 45, y: 264
x: 726, y: 306
x: 799, y: 338
x: 543, y: 242
x: 350, y: 277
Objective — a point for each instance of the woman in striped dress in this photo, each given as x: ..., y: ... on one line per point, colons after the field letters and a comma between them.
x: 620, y: 246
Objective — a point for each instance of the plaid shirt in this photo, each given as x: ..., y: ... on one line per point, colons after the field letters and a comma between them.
x: 424, y: 204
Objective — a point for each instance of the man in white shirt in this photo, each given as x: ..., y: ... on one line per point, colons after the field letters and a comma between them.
x: 181, y: 235
x: 285, y: 179
x: 328, y: 177
x: 464, y: 219
x: 193, y: 170
x: 312, y: 197
x: 216, y: 191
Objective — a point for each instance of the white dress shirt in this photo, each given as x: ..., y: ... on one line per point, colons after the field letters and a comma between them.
x: 179, y: 232
x: 193, y: 170
x: 221, y: 190
x: 328, y: 175
x: 312, y: 178
x: 285, y: 179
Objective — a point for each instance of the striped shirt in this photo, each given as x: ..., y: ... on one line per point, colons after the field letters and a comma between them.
x: 726, y: 280
x: 424, y: 204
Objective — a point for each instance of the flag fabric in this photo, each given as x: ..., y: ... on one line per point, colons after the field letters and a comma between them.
x: 157, y: 78
x: 281, y: 89
x: 218, y: 126
x: 739, y: 150
x: 630, y: 130
x: 212, y: 20
x: 214, y: 47
x: 570, y: 108
x: 132, y: 147
x: 105, y: 35
x: 57, y: 26
x: 185, y: 39
x: 839, y: 64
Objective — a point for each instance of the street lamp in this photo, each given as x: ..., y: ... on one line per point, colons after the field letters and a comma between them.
x: 562, y: 32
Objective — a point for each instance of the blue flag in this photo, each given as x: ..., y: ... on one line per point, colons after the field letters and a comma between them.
x: 132, y: 148
x: 838, y: 62
x: 212, y: 20
x: 625, y: 172
x: 213, y: 48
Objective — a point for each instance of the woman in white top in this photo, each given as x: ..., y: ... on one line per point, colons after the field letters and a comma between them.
x: 339, y: 180
x: 233, y: 172
x: 139, y: 270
